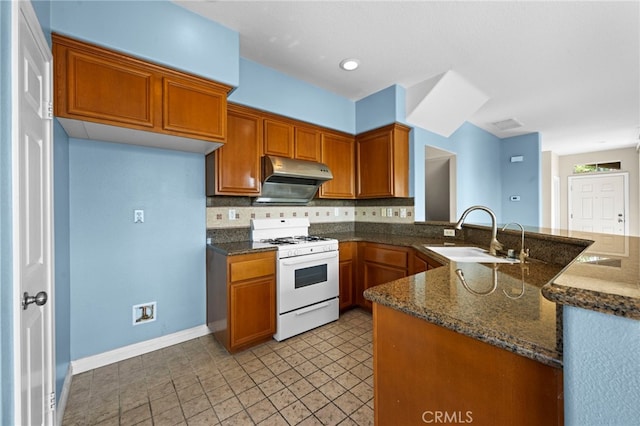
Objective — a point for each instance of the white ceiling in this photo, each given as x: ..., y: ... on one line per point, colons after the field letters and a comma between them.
x: 569, y: 70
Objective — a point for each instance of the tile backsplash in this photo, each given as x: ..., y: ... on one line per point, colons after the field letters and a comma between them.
x: 232, y: 217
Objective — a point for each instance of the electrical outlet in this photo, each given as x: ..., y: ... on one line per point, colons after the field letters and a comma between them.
x: 383, y: 212
x: 144, y: 312
x: 138, y: 216
x: 232, y: 214
x: 390, y: 212
x: 449, y: 232
x: 403, y: 213
x: 336, y: 211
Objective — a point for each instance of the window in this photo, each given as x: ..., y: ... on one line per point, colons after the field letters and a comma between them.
x: 597, y: 167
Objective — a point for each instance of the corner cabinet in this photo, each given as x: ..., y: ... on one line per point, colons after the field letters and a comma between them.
x: 338, y: 153
x: 234, y: 168
x: 379, y: 264
x: 108, y: 88
x: 241, y: 298
x: 382, y: 157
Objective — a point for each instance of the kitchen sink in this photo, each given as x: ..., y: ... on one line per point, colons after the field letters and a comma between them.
x: 469, y: 254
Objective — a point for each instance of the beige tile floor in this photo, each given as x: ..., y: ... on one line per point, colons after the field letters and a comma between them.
x: 322, y: 377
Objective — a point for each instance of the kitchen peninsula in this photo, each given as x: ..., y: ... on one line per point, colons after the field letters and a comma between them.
x: 503, y: 323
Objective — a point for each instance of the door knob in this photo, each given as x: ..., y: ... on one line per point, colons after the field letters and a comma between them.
x: 39, y: 299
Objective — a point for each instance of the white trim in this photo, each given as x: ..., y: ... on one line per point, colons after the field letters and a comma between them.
x: 100, y: 360
x: 15, y: 202
x: 64, y: 396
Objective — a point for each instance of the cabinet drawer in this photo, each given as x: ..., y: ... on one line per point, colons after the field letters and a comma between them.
x: 252, y: 268
x: 385, y: 256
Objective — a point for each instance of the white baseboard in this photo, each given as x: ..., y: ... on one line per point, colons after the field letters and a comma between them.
x: 100, y: 360
x: 64, y: 396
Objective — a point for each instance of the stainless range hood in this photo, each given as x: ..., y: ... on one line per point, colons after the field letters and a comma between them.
x: 289, y: 181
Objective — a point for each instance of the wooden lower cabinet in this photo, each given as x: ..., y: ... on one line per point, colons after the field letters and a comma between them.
x: 420, y: 262
x: 241, y: 298
x: 379, y: 264
x: 348, y: 262
x: 422, y: 370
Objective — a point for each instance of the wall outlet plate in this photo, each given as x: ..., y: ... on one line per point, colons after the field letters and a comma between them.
x: 403, y: 213
x: 449, y: 232
x: 232, y: 214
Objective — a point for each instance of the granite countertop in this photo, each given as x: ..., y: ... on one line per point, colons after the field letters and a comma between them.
x: 500, y: 304
x: 605, y: 278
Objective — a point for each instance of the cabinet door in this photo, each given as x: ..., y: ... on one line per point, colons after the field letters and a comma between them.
x: 374, y: 165
x: 307, y: 144
x: 103, y: 89
x: 193, y: 110
x: 382, y: 157
x: 234, y: 168
x: 374, y: 274
x: 278, y: 138
x: 338, y: 153
x: 379, y: 264
x: 418, y: 264
x: 252, y: 311
x: 347, y: 252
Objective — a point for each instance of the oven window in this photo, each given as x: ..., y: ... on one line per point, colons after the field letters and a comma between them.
x: 311, y: 275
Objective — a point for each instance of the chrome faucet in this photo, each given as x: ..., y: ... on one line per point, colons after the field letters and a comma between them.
x: 524, y: 254
x: 494, y: 246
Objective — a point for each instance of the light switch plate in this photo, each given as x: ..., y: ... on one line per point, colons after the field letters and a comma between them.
x: 138, y: 216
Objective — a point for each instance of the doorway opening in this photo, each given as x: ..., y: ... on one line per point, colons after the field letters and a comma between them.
x: 440, y: 185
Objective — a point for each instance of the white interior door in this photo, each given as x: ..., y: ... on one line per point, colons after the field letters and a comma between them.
x: 33, y: 221
x: 598, y: 204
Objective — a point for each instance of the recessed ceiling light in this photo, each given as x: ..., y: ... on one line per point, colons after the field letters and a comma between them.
x: 349, y: 64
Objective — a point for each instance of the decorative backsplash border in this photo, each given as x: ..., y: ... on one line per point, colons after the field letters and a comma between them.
x: 235, y: 217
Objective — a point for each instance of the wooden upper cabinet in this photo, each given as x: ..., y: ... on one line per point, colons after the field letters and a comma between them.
x: 103, y: 88
x: 278, y: 138
x: 383, y: 162
x: 98, y: 85
x: 234, y: 168
x: 288, y: 139
x: 192, y: 108
x: 338, y: 153
x: 307, y: 144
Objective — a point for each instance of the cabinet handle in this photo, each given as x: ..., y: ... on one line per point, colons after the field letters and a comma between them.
x: 311, y: 308
x: 305, y: 259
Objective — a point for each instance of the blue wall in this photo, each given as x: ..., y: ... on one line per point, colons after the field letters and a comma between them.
x: 159, y: 31
x: 478, y: 165
x: 380, y: 108
x: 523, y: 179
x: 62, y: 253
x: 116, y: 263
x: 601, y: 368
x: 267, y: 89
x: 6, y: 248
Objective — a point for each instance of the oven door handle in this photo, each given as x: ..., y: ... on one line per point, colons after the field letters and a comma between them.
x: 308, y: 258
x: 311, y: 308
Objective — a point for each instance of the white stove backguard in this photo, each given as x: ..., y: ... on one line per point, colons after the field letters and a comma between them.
x: 263, y: 229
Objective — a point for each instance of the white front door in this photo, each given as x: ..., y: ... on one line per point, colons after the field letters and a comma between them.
x: 33, y: 221
x: 598, y: 204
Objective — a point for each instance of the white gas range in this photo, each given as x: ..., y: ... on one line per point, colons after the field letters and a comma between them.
x: 307, y: 274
